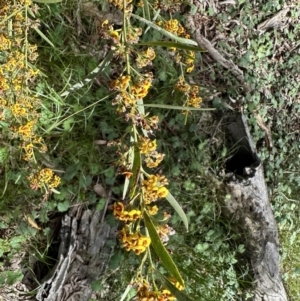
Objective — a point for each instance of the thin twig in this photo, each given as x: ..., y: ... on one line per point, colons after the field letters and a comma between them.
x: 213, y: 52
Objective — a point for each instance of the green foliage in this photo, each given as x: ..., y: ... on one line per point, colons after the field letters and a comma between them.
x: 74, y: 116
x: 272, y: 72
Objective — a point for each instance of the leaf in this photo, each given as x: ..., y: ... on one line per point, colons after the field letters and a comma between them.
x: 129, y: 292
x: 97, y: 286
x: 64, y: 206
x: 165, y: 32
x: 85, y: 181
x: 136, y: 170
x: 116, y: 260
x: 101, y: 204
x: 127, y: 180
x: 178, y: 209
x: 32, y: 223
x: 15, y: 242
x: 13, y: 277
x: 171, y: 44
x: 44, y: 37
x: 162, y: 106
x: 55, y: 125
x: 161, y: 251
x: 67, y: 124
x: 179, y: 295
x: 71, y: 172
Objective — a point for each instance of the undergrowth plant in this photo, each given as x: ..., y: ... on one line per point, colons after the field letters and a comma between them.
x: 117, y: 74
x: 24, y: 114
x: 270, y: 62
x: 138, y: 149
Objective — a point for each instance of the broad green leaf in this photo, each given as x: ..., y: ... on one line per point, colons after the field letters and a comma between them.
x: 47, y: 1
x: 179, y: 295
x: 171, y: 44
x: 165, y: 32
x: 178, y: 209
x: 161, y: 251
x: 136, y: 169
x: 150, y: 105
x: 63, y: 206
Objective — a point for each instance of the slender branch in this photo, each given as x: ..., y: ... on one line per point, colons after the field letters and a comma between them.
x: 213, y: 52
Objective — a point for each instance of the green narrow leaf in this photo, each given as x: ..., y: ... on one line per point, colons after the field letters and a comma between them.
x: 56, y: 124
x: 179, y: 295
x: 129, y: 292
x: 161, y: 251
x: 162, y: 106
x: 146, y: 9
x: 127, y: 180
x: 178, y: 209
x: 136, y: 169
x: 170, y: 44
x: 165, y: 32
x: 44, y: 37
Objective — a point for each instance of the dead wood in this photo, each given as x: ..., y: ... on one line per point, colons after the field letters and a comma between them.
x: 250, y: 211
x: 85, y: 250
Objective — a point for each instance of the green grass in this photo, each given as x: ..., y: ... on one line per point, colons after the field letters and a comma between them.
x: 209, y: 256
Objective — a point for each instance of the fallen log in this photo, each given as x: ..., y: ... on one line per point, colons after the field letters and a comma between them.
x: 87, y: 242
x: 250, y: 212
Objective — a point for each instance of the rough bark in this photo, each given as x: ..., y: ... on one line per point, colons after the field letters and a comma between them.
x: 84, y: 253
x: 250, y: 211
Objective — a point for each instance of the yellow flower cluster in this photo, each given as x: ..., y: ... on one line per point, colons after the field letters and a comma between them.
x: 146, y: 293
x: 134, y: 241
x: 190, y: 91
x: 45, y: 178
x: 148, y: 148
x: 154, y: 188
x: 175, y: 27
x: 152, y: 210
x: 141, y: 88
x: 18, y: 108
x: 133, y: 35
x: 125, y: 216
x: 108, y: 32
x: 189, y: 61
x: 145, y: 58
x: 129, y: 93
